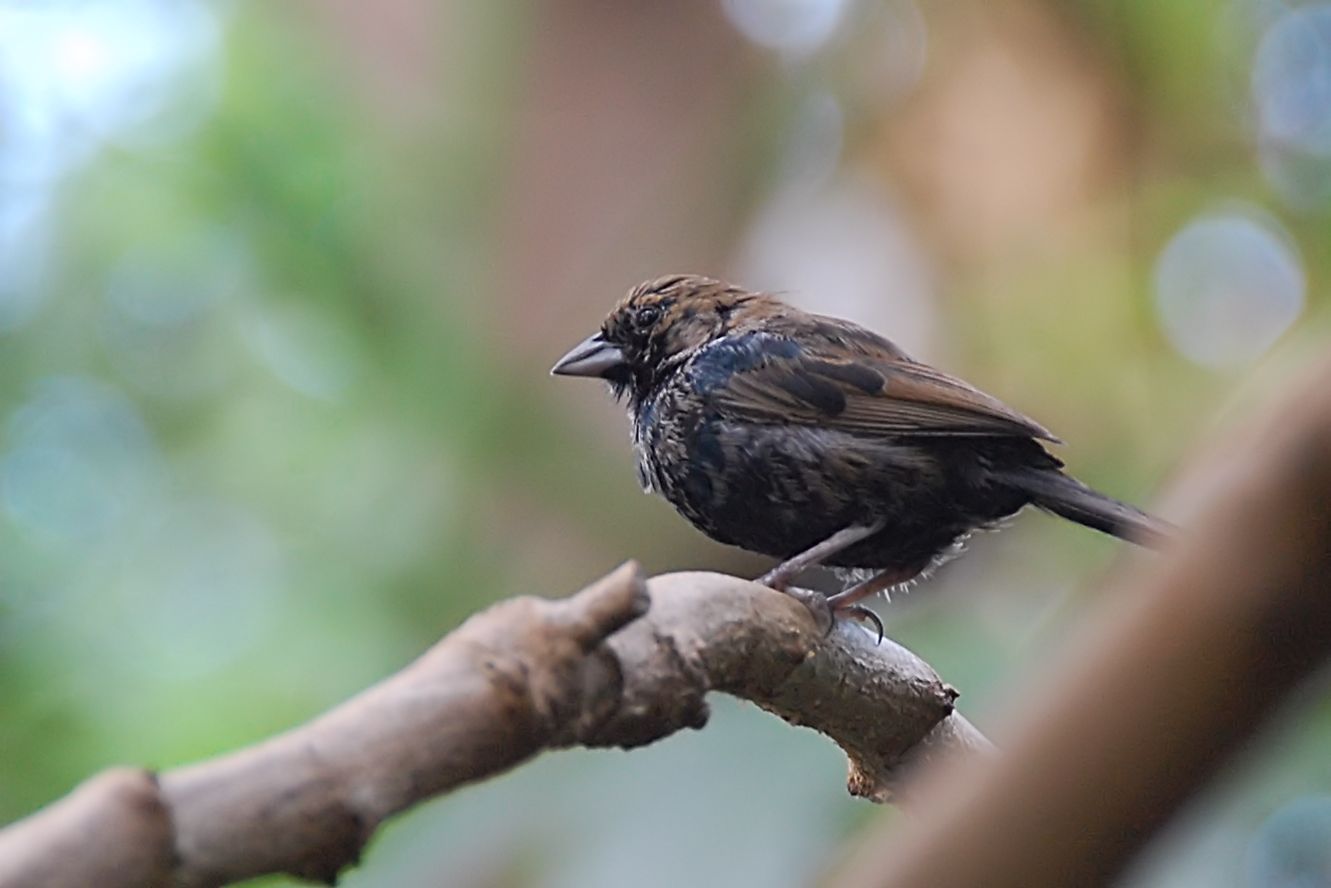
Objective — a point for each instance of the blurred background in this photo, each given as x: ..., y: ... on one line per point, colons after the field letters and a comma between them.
x: 280, y: 285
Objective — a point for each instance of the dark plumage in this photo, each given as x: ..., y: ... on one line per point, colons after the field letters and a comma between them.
x: 774, y: 430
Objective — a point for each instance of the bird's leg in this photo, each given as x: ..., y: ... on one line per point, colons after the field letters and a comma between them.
x: 849, y: 599
x: 780, y: 577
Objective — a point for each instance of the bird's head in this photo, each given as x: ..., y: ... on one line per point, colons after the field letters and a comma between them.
x: 655, y: 328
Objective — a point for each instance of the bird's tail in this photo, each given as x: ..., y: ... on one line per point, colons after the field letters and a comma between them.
x: 1064, y: 495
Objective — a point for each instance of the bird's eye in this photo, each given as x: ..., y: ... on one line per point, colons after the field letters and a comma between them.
x: 647, y: 315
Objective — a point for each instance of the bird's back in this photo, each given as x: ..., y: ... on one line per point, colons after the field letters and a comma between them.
x: 775, y: 486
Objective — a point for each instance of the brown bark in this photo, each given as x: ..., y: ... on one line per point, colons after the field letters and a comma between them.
x: 599, y: 669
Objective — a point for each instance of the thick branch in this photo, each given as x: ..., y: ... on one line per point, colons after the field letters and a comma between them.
x: 525, y: 675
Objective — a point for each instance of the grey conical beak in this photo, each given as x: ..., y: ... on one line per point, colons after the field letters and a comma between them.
x: 591, y: 357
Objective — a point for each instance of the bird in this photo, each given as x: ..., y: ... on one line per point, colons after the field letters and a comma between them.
x: 815, y: 441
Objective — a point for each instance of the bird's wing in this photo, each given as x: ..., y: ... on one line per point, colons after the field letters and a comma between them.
x: 862, y: 390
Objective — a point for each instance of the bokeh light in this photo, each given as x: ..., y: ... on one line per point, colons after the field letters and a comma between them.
x: 797, y: 27
x: 74, y: 76
x: 1291, y: 79
x: 1227, y: 286
x: 1291, y: 86
x: 75, y: 73
x: 843, y: 250
x: 80, y: 462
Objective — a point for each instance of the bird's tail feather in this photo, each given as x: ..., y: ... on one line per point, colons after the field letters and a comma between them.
x: 1064, y: 495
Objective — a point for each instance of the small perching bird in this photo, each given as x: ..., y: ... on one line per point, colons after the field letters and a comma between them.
x: 816, y: 441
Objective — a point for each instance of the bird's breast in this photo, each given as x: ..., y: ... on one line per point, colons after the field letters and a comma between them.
x: 679, y: 449
x: 731, y: 478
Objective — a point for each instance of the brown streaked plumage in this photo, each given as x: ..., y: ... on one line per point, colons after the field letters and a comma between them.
x: 814, y: 440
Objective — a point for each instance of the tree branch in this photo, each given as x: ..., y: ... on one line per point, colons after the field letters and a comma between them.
x: 597, y: 669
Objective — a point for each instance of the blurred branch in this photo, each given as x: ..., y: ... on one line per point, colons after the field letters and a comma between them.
x: 1193, y: 658
x: 597, y: 669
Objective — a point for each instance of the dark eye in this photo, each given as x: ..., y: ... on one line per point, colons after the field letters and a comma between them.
x: 647, y: 315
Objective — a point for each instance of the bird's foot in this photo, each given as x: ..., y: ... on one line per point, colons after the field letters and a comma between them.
x: 825, y: 614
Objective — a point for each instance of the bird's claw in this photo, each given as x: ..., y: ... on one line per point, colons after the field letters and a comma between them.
x: 860, y: 612
x: 824, y: 614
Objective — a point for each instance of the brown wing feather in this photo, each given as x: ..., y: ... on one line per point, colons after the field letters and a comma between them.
x: 877, y: 392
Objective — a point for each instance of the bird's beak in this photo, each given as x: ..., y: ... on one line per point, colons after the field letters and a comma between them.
x: 591, y: 357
